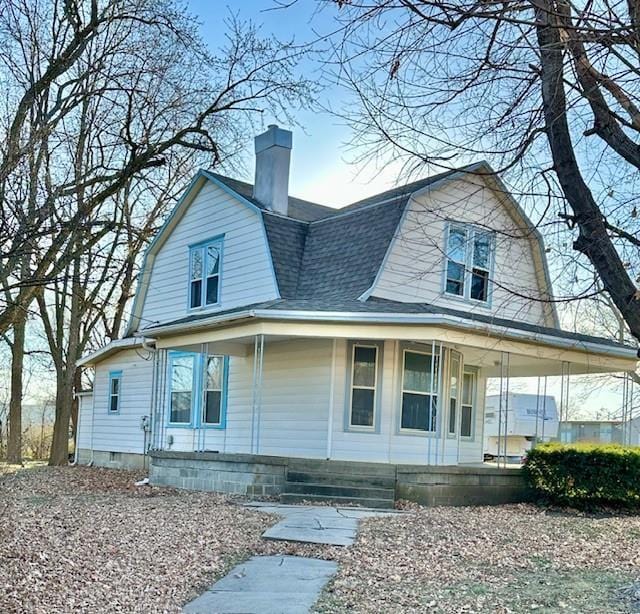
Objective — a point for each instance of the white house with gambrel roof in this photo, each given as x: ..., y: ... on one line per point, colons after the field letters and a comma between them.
x: 271, y: 326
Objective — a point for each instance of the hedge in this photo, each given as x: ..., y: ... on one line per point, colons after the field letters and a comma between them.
x: 585, y: 475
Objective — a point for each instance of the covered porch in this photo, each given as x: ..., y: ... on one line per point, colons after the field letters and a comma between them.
x: 397, y: 392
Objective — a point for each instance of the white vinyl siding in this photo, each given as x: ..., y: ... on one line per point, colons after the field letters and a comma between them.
x: 118, y: 432
x: 247, y: 275
x: 415, y: 267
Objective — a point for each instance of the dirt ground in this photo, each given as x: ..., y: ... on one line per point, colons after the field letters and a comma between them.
x: 88, y: 540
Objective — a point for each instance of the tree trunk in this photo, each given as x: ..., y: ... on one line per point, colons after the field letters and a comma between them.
x: 59, y: 454
x: 593, y: 240
x: 14, y: 442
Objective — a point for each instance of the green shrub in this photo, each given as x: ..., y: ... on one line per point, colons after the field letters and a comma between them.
x: 585, y: 475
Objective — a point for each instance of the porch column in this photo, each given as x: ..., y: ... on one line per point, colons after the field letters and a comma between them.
x: 258, y: 353
x: 331, y: 404
x: 503, y: 408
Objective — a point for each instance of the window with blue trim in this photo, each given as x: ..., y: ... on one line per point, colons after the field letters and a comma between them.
x: 197, y: 389
x: 214, y: 391
x: 115, y: 390
x: 469, y: 252
x: 181, y: 381
x: 204, y: 274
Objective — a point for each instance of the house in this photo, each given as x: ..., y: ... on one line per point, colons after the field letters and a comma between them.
x: 525, y: 420
x: 269, y: 332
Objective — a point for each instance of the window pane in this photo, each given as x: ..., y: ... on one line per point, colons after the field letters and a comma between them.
x: 457, y: 244
x: 182, y: 373
x: 212, y: 290
x: 213, y: 259
x: 455, y: 278
x: 364, y: 366
x: 180, y: 407
x: 196, y: 264
x: 196, y: 293
x: 467, y: 388
x: 481, y: 250
x: 113, y: 405
x: 455, y: 370
x: 415, y: 410
x: 479, y: 284
x: 362, y: 407
x: 212, y: 410
x: 115, y: 385
x: 465, y: 420
x: 215, y: 366
x: 452, y: 415
x: 417, y: 372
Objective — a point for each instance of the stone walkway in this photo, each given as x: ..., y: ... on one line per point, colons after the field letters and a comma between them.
x: 335, y: 526
x: 266, y: 585
x: 284, y: 584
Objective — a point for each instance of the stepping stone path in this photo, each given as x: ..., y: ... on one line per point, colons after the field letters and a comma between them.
x: 284, y: 584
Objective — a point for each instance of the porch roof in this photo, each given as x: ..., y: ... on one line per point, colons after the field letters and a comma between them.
x: 372, y: 310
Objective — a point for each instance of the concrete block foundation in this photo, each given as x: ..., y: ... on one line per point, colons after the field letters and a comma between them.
x: 255, y: 475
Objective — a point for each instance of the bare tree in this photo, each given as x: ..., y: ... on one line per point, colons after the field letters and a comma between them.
x: 545, y: 89
x: 107, y: 99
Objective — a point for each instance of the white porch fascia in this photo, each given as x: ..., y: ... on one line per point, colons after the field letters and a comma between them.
x: 593, y: 357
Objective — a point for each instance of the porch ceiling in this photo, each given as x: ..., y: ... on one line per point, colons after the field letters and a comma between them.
x: 529, y: 356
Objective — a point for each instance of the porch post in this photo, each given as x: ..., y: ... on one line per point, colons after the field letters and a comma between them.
x: 332, y: 387
x: 503, y: 410
x: 258, y: 351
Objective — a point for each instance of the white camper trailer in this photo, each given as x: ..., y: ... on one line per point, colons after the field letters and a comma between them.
x: 526, y: 418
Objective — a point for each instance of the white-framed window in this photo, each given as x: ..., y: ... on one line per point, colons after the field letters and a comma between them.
x: 419, y: 391
x: 364, y: 377
x: 469, y: 258
x: 204, y: 274
x: 212, y: 409
x: 115, y: 391
x: 468, y: 401
x: 454, y: 391
x: 182, y: 369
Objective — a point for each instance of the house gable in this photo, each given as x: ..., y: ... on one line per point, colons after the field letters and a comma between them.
x: 208, y: 209
x: 413, y: 270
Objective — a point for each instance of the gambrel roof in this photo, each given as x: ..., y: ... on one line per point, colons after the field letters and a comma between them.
x: 327, y: 258
x: 338, y: 254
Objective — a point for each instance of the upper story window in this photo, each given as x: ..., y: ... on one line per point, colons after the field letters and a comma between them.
x: 469, y: 261
x: 204, y: 274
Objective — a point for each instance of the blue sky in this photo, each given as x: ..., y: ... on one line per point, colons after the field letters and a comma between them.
x: 320, y: 167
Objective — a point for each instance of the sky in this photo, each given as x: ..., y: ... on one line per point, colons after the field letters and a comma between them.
x: 322, y: 167
x: 320, y: 161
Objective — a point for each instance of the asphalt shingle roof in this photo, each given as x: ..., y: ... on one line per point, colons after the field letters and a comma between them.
x: 319, y: 251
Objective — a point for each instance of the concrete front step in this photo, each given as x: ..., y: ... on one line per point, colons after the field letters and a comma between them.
x: 344, y: 468
x: 334, y: 490
x: 340, y: 479
x: 364, y: 502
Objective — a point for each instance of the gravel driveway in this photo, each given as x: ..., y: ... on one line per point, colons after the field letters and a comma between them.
x: 87, y: 540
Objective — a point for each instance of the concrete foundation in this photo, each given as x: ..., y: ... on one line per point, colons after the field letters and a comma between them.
x: 254, y: 475
x: 237, y: 474
x: 457, y: 486
x: 113, y: 460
